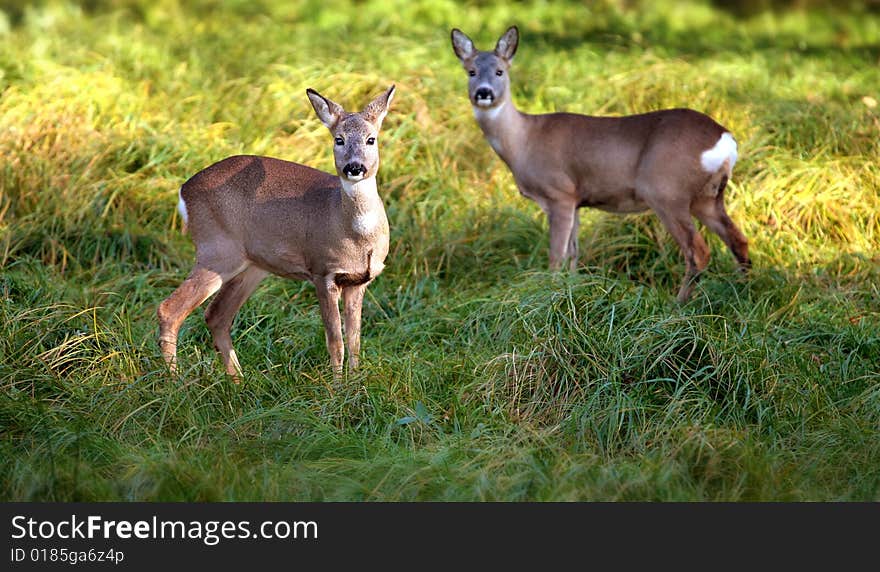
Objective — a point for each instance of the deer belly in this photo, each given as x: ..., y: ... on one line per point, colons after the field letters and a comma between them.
x: 620, y: 202
x: 287, y: 265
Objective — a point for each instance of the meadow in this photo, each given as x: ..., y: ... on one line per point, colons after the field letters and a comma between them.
x: 485, y: 377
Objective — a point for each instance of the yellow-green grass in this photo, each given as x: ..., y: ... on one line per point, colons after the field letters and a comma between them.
x: 485, y: 377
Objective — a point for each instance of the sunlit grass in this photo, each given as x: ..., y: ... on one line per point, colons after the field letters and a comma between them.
x: 485, y: 377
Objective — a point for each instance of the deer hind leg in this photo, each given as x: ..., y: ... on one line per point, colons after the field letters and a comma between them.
x: 198, y: 287
x: 353, y: 301
x: 328, y: 299
x: 711, y: 212
x: 221, y: 313
x: 696, y: 252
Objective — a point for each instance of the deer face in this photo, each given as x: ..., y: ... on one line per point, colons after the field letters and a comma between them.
x: 488, y: 82
x: 355, y: 135
x: 355, y: 150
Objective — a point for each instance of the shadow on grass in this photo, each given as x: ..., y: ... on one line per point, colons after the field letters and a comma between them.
x: 618, y: 33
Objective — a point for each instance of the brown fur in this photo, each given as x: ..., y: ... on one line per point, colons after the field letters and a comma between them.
x: 564, y: 161
x: 250, y: 216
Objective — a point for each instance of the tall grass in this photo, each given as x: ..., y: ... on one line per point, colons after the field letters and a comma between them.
x: 484, y: 377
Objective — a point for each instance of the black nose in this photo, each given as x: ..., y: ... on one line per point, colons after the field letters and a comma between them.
x: 484, y: 93
x: 354, y: 169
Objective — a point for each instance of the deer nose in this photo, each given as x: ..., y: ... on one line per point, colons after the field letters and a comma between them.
x: 354, y: 169
x: 484, y: 93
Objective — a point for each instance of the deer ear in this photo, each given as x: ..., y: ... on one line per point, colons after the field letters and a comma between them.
x: 328, y: 112
x: 506, y: 46
x: 462, y: 45
x: 378, y: 108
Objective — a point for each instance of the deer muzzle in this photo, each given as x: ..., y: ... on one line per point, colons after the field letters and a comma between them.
x: 484, y: 97
x: 354, y: 171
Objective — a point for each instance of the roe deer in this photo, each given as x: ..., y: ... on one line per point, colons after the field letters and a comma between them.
x: 249, y: 216
x: 675, y: 161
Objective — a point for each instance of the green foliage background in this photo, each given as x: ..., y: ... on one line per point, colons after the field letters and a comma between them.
x: 485, y: 377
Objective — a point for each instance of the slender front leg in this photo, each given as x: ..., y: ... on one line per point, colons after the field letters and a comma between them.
x: 561, y: 218
x: 573, y: 242
x: 328, y: 298
x: 353, y: 299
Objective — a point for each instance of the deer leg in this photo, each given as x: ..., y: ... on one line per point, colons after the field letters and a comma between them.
x: 353, y: 300
x: 573, y: 241
x: 200, y: 284
x: 561, y: 218
x: 696, y: 252
x: 328, y: 298
x: 711, y: 212
x: 222, y: 310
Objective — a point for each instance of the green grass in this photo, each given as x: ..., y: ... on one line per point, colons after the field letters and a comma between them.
x: 485, y: 377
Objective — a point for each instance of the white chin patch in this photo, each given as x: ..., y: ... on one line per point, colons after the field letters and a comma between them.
x: 480, y: 112
x: 724, y: 150
x: 484, y: 102
x: 354, y: 178
x: 360, y: 187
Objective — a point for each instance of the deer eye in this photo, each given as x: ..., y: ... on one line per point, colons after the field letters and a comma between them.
x: 499, y: 73
x: 340, y: 141
x: 472, y: 73
x: 371, y: 140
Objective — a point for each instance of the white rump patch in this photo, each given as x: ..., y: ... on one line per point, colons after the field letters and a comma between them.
x: 181, y: 206
x: 724, y: 149
x: 365, y: 223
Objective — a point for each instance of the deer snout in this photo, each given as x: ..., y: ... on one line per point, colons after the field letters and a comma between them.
x: 484, y: 96
x: 354, y: 170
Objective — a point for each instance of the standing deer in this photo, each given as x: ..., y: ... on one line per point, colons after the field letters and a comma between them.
x: 250, y: 216
x: 675, y: 161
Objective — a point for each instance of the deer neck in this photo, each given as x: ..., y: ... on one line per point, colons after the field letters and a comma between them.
x: 362, y: 208
x: 504, y: 127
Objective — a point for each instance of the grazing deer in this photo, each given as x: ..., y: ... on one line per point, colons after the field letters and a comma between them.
x: 676, y: 162
x: 250, y: 216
